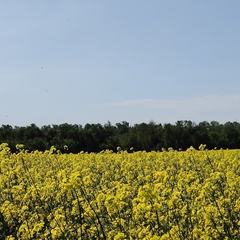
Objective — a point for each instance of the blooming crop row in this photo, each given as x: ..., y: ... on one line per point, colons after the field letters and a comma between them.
x: 193, y: 194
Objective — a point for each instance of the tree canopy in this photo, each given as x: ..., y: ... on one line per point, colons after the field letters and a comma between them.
x: 144, y: 136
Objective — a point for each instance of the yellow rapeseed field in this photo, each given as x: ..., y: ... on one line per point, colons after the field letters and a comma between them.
x: 193, y: 194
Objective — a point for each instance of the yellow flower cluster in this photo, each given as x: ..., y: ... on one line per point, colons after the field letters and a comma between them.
x: 193, y: 194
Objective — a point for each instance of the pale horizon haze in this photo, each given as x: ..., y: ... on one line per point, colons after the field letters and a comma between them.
x: 81, y: 62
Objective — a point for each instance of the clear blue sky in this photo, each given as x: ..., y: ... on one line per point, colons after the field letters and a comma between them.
x: 91, y: 61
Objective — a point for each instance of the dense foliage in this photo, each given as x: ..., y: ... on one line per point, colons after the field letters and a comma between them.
x: 176, y: 195
x: 97, y: 137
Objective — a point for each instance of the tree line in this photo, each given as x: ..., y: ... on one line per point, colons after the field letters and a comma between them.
x: 144, y: 136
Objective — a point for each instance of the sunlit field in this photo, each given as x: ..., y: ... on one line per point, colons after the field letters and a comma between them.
x: 193, y: 194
